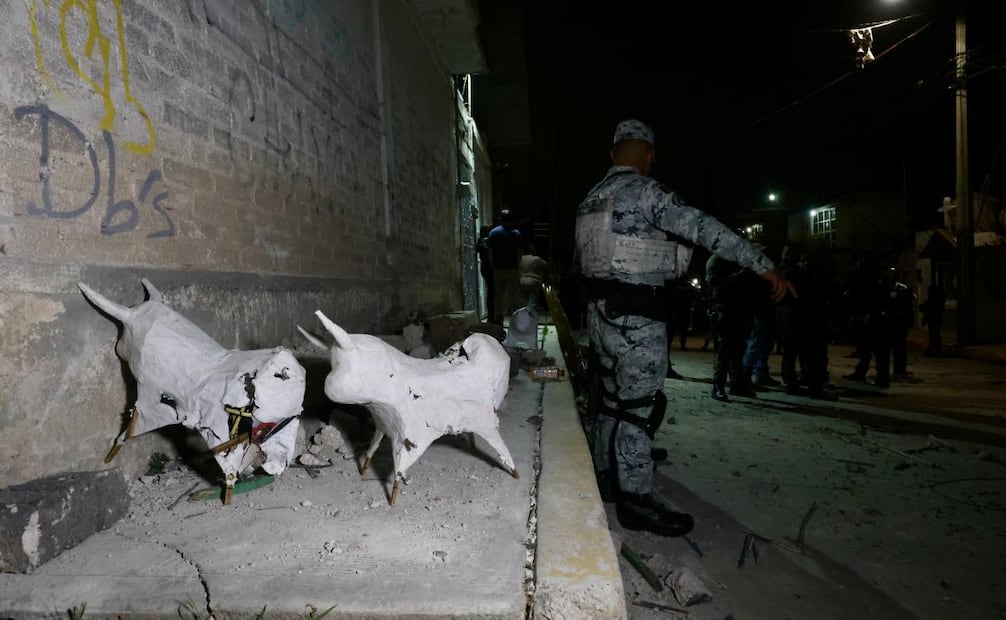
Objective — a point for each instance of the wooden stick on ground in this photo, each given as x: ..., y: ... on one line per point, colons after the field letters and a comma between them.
x: 803, y: 525
x: 641, y: 566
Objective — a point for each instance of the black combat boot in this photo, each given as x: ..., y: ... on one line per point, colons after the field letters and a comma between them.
x: 642, y: 512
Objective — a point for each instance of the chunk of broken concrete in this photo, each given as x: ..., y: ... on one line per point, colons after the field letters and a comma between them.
x: 42, y: 518
x: 688, y: 589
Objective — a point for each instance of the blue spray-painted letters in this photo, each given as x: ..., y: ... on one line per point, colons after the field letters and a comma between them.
x: 120, y: 216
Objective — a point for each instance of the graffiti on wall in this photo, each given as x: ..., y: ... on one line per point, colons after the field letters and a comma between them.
x: 94, y: 63
x: 120, y: 215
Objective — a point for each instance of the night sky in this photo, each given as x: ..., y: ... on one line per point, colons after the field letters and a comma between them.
x: 751, y: 97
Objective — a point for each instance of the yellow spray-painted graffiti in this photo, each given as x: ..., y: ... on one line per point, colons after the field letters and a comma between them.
x: 96, y: 39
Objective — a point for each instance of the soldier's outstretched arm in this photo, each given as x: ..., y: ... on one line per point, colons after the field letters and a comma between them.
x: 676, y: 217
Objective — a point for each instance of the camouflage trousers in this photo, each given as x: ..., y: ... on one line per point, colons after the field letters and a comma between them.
x: 635, y: 348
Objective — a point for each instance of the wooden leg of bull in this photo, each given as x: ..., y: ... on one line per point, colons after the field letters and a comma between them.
x: 374, y: 443
x: 394, y: 493
x: 134, y: 415
x: 229, y: 479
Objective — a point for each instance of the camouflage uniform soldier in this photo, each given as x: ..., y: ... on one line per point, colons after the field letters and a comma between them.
x: 632, y: 235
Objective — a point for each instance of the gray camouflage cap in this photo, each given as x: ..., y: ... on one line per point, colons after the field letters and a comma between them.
x: 631, y: 129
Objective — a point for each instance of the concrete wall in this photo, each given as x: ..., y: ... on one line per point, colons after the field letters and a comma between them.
x: 255, y: 159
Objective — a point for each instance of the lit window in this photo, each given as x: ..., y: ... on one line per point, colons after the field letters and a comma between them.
x: 822, y: 224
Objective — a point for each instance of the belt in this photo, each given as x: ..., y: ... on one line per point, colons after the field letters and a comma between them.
x: 610, y: 289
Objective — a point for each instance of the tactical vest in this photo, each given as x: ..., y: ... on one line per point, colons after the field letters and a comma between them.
x: 645, y: 256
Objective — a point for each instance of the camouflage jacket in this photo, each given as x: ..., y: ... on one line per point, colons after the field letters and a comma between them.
x: 659, y: 226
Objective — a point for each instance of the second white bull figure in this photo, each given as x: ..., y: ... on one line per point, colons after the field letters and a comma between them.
x: 416, y: 401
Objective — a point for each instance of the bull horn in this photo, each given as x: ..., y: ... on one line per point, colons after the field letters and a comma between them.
x: 343, y: 339
x: 316, y: 342
x: 106, y: 305
x: 152, y: 292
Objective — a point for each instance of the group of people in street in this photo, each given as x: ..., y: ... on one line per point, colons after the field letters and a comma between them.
x: 747, y: 326
x: 880, y: 310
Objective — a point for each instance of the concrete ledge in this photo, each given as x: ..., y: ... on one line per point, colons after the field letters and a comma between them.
x: 576, y: 566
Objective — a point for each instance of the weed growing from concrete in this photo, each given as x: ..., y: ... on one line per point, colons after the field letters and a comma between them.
x: 313, y: 612
x: 156, y: 463
x: 188, y: 611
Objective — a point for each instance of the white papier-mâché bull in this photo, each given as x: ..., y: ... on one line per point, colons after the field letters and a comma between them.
x: 245, y: 404
x: 416, y: 401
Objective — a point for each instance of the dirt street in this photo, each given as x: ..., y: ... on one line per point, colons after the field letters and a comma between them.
x: 880, y: 505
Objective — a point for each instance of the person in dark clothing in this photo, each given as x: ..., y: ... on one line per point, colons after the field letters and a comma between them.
x: 504, y: 243
x: 683, y: 298
x: 789, y: 315
x: 876, y: 338
x: 486, y: 269
x: 730, y: 291
x: 678, y: 318
x: 804, y: 325
x: 761, y: 340
x: 932, y: 310
x: 898, y: 306
x: 855, y: 304
x: 702, y: 318
x: 815, y: 326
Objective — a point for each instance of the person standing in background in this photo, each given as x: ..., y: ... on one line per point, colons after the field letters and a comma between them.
x: 486, y: 270
x: 932, y: 310
x: 533, y: 274
x: 762, y: 338
x: 900, y: 303
x: 731, y: 291
x: 504, y: 244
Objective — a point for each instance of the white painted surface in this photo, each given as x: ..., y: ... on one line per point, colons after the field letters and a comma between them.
x: 184, y: 377
x: 416, y: 401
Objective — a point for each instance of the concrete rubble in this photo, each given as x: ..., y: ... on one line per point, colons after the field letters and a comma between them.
x: 42, y: 518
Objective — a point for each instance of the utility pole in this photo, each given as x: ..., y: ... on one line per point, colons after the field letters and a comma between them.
x: 966, y: 310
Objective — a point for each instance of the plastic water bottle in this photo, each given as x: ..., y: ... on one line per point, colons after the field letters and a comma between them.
x: 546, y: 373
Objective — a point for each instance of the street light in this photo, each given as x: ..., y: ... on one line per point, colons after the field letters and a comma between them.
x: 772, y: 197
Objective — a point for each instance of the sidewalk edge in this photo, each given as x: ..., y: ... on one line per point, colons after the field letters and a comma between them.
x: 577, y: 569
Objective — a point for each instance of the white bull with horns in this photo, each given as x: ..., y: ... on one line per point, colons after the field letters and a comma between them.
x: 416, y: 401
x: 245, y: 404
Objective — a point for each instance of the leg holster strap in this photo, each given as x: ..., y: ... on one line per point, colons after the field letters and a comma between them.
x: 658, y: 407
